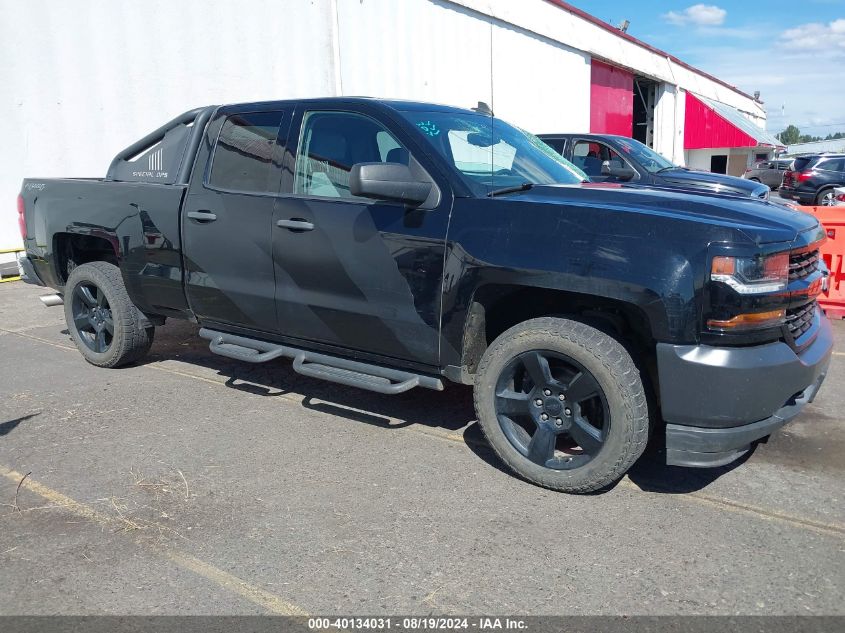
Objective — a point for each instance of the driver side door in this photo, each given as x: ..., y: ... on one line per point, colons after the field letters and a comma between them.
x: 353, y: 273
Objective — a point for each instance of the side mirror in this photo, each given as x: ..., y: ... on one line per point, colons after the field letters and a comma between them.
x: 388, y: 181
x: 620, y: 173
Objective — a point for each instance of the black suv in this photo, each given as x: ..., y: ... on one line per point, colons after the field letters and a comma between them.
x: 611, y: 158
x: 813, y: 178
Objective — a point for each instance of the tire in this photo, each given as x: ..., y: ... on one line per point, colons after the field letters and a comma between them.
x: 579, y: 360
x: 754, y: 179
x: 103, y: 322
x: 825, y: 198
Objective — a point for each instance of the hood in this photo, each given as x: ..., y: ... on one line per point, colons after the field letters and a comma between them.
x: 721, y: 183
x: 761, y: 221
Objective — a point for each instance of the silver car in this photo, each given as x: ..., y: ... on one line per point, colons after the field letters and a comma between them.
x: 768, y: 172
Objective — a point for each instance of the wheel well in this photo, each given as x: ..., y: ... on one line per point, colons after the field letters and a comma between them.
x: 71, y: 250
x: 497, y: 308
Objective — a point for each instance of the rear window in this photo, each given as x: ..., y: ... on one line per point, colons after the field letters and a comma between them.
x: 802, y: 162
x: 244, y: 153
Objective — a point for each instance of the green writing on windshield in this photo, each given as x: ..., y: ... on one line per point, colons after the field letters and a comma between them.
x: 429, y: 128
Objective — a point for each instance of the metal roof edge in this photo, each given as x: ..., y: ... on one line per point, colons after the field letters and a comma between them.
x: 609, y: 27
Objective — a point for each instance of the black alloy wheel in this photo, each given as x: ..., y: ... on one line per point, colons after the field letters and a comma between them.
x: 92, y: 317
x: 552, y: 410
x: 562, y: 404
x: 106, y: 327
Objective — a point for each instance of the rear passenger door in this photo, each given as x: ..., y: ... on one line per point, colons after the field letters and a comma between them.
x: 227, y: 219
x: 354, y: 273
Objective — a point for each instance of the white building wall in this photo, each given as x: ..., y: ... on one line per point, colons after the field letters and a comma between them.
x: 84, y: 79
x: 413, y: 49
x: 739, y: 158
x: 556, y: 23
x: 700, y: 158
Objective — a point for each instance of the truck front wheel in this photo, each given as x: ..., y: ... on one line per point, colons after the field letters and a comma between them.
x: 108, y: 329
x: 562, y: 404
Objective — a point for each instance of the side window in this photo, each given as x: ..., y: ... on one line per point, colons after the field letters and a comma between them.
x: 386, y: 144
x: 834, y: 164
x: 331, y: 142
x: 243, y: 154
x: 557, y: 144
x: 580, y: 151
x: 589, y: 156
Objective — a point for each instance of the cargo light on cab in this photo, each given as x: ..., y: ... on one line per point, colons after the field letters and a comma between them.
x: 752, y: 275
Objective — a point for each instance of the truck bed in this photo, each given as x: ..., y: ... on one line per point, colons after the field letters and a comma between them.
x: 137, y: 221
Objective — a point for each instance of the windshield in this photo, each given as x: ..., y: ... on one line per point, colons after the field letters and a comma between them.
x: 644, y: 155
x: 491, y: 154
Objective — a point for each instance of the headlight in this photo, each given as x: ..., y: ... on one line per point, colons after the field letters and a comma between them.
x: 752, y: 275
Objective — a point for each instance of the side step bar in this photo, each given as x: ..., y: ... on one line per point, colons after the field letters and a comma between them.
x: 331, y: 368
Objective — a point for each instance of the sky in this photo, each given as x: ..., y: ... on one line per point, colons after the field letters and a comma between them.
x: 793, y: 52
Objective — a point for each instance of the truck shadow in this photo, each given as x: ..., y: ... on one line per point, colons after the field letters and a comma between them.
x: 10, y: 425
x: 651, y: 474
x: 451, y: 410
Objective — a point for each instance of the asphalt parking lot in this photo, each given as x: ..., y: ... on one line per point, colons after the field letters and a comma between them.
x: 196, y: 485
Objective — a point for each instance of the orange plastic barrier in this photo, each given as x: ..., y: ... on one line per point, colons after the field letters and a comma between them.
x: 833, y: 253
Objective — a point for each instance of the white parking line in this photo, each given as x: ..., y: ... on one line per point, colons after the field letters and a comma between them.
x: 230, y: 582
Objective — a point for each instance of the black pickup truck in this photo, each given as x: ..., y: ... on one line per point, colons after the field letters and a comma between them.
x: 391, y: 245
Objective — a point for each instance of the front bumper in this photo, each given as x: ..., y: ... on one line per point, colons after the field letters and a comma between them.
x: 717, y: 401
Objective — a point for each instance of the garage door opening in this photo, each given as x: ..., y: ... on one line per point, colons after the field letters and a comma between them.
x: 645, y: 97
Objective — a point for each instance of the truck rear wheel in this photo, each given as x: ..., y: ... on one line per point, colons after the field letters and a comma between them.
x: 107, y: 328
x: 562, y: 404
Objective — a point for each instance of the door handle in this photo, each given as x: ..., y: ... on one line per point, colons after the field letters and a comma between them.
x: 202, y: 216
x: 296, y: 224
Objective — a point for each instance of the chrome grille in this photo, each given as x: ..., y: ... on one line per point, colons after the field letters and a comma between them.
x: 800, y: 320
x: 803, y: 265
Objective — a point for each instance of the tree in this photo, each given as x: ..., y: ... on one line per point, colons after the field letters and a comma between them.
x: 790, y: 135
